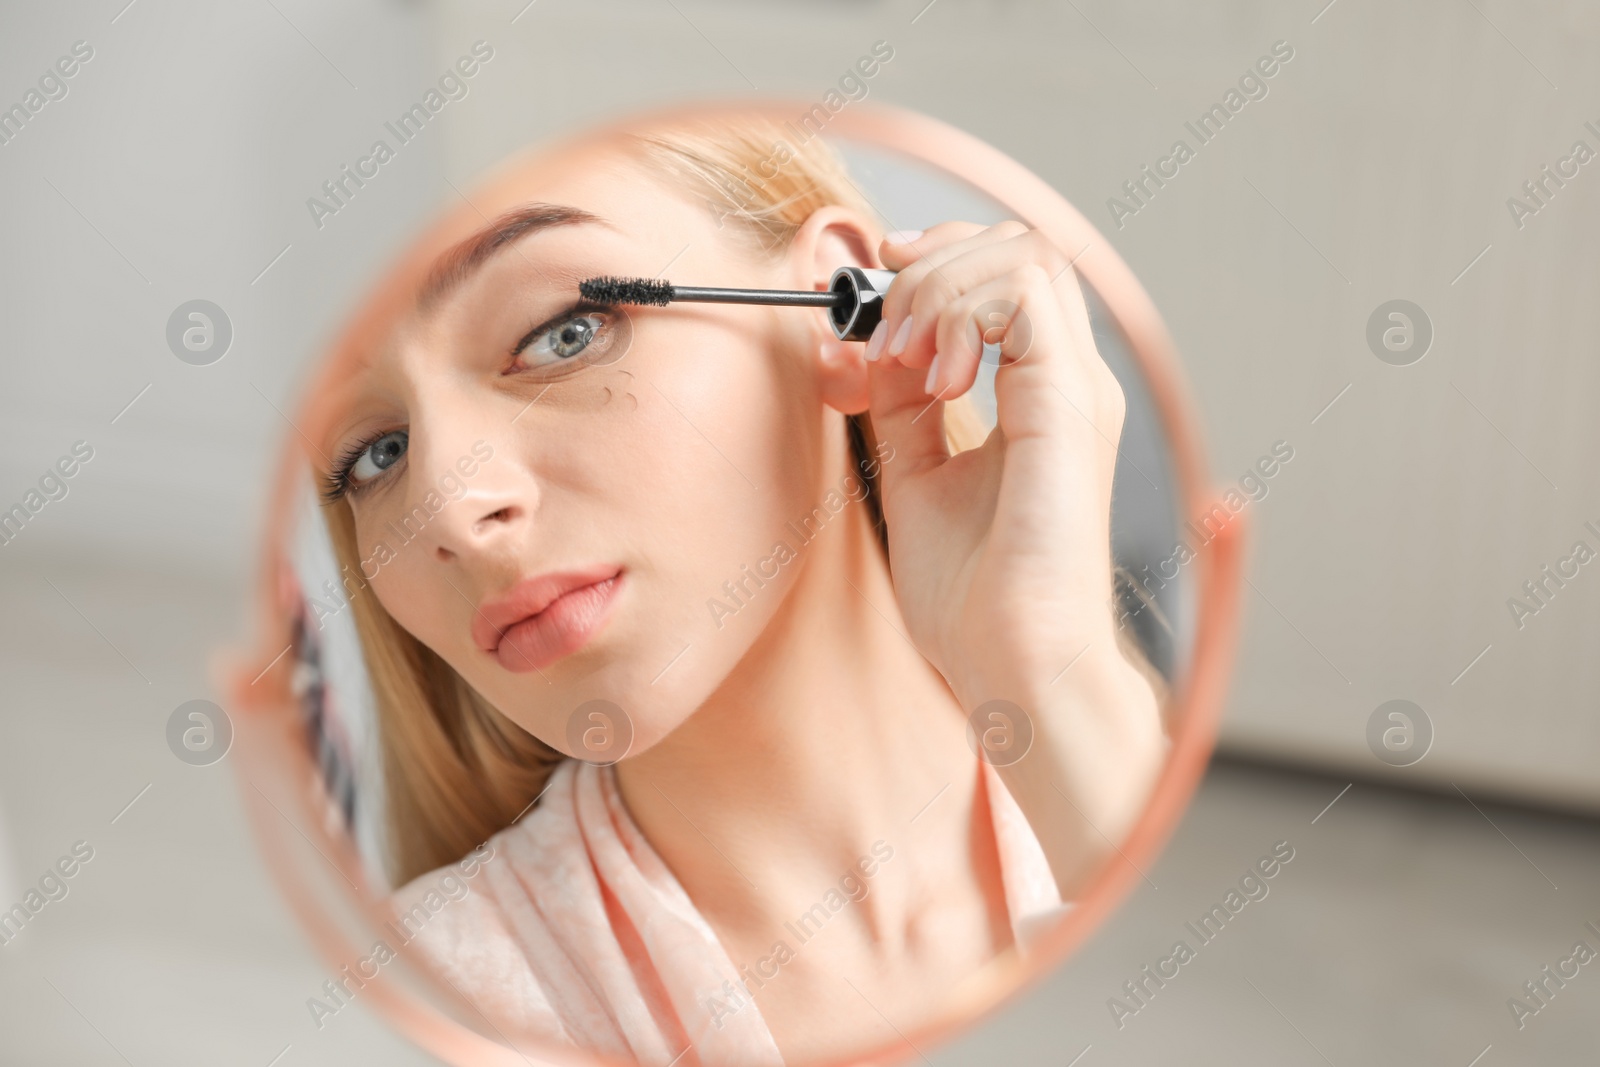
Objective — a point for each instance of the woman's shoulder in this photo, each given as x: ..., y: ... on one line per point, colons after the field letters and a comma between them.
x: 433, y: 893
x: 472, y: 876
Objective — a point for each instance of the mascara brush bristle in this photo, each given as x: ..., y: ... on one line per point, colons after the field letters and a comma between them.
x: 608, y: 290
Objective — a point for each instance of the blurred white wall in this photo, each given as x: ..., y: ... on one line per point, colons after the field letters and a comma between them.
x: 177, y: 167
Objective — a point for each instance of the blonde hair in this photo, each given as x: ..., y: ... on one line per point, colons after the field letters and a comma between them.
x: 456, y: 770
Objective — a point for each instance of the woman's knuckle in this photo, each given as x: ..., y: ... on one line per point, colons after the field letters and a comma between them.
x: 1030, y: 277
x: 904, y: 288
x: 934, y: 293
x: 958, y: 324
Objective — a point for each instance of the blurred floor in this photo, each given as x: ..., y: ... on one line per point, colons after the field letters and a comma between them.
x: 1396, y: 934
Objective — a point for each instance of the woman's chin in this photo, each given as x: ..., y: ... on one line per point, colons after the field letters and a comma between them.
x: 610, y: 712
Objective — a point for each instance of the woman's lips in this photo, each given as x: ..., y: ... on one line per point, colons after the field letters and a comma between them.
x: 541, y: 620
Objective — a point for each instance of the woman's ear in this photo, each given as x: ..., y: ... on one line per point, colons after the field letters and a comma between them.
x: 834, y: 237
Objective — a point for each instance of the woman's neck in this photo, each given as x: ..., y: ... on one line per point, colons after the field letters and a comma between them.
x: 832, y: 734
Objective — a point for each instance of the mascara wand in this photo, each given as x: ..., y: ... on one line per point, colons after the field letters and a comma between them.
x: 854, y: 297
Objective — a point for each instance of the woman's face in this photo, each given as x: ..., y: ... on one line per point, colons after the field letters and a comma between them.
x: 557, y: 523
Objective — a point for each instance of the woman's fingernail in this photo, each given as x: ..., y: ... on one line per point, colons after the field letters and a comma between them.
x: 901, y: 336
x: 875, y: 342
x: 933, y: 372
x: 902, y: 237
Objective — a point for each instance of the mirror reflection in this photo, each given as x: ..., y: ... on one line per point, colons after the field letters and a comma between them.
x: 702, y: 687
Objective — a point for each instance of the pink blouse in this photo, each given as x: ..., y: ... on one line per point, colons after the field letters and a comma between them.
x: 575, y: 933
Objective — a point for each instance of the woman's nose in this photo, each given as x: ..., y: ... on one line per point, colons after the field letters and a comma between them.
x: 483, y: 502
x: 480, y: 522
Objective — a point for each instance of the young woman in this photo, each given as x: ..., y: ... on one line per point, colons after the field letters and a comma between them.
x: 774, y: 572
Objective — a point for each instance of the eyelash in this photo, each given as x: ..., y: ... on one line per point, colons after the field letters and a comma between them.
x: 337, y: 485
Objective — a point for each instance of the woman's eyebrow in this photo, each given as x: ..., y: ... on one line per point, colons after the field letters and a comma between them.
x: 465, y: 257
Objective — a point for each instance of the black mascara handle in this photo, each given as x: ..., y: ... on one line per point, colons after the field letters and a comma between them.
x: 855, y: 317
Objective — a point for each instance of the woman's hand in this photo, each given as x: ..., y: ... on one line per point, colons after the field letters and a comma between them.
x: 1001, y: 555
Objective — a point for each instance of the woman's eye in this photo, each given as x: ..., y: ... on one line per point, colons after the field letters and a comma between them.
x: 379, y: 456
x: 565, y: 340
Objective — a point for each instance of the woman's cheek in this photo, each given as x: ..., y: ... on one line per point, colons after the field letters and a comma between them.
x: 392, y: 576
x: 402, y: 601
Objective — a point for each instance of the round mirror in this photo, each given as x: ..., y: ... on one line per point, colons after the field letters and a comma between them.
x: 677, y: 683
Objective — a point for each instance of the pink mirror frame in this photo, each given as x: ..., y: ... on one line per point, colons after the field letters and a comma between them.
x: 273, y: 758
